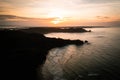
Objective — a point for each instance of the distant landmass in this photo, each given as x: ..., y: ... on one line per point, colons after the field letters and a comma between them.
x: 44, y: 30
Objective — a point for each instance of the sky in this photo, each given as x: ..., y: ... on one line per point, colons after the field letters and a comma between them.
x: 60, y: 12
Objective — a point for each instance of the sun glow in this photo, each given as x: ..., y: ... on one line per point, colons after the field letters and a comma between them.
x: 58, y: 15
x: 57, y: 20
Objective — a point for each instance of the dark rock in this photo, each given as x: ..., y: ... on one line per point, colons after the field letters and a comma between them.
x: 89, y: 31
x: 86, y: 41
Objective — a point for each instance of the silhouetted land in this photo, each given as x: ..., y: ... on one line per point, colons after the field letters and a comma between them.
x: 44, y: 30
x: 23, y: 53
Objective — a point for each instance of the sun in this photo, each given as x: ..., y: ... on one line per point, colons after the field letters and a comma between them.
x: 57, y: 20
x: 58, y: 16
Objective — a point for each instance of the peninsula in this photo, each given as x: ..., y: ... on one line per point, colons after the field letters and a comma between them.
x: 23, y: 53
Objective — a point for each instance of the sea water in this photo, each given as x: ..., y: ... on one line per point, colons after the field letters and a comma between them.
x: 97, y: 60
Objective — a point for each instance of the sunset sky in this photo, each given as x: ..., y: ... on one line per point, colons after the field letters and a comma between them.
x: 60, y: 12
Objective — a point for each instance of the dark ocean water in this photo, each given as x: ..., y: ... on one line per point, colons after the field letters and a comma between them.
x: 98, y: 60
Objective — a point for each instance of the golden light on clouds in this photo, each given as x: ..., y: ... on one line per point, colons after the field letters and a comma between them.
x: 58, y: 15
x: 60, y: 12
x: 57, y: 20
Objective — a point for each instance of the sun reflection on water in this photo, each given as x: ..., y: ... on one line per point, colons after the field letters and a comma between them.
x: 56, y: 60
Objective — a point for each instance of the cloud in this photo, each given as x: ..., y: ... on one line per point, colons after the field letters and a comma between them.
x: 75, y: 9
x: 27, y: 21
x: 13, y: 17
x: 17, y: 20
x: 100, y: 1
x: 20, y: 3
x: 2, y: 10
x: 44, y: 7
x: 114, y: 23
x: 10, y: 18
x: 102, y: 17
x: 5, y: 7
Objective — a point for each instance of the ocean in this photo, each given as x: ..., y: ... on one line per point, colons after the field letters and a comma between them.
x: 99, y: 59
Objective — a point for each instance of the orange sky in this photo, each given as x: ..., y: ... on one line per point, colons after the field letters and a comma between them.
x: 59, y: 12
